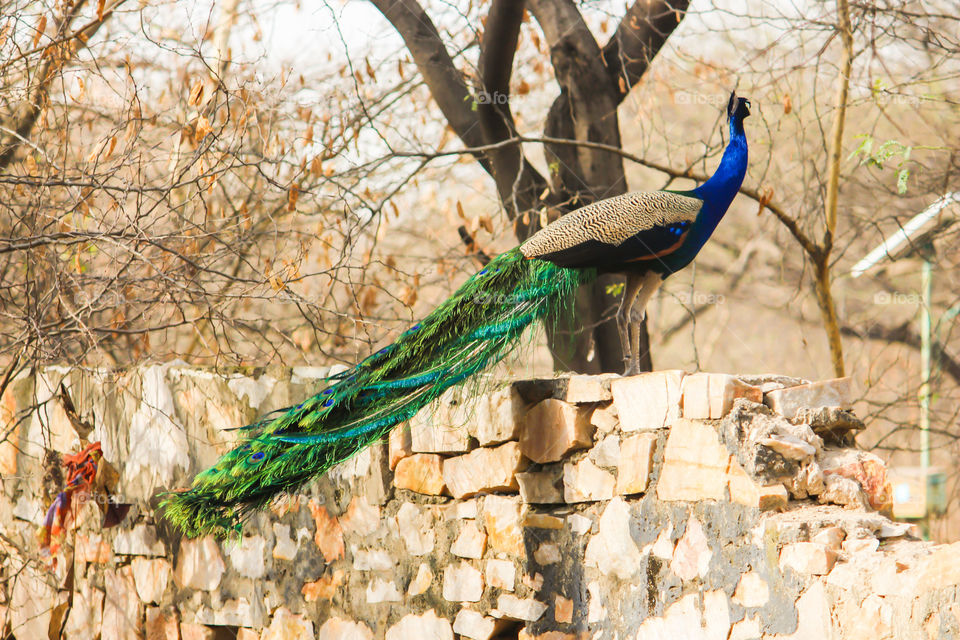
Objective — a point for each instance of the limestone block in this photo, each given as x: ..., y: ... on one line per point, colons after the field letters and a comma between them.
x: 647, y: 401
x: 606, y: 453
x: 427, y: 626
x: 636, y: 462
x: 809, y: 558
x: 709, y: 396
x: 813, y: 615
x: 399, y: 445
x: 340, y: 629
x: 501, y: 518
x: 193, y: 631
x: 150, y: 577
x: 586, y: 482
x: 484, y: 469
x: 199, y: 564
x: 581, y: 389
x: 139, y: 541
x: 553, y: 428
x: 830, y: 537
x: 563, y: 610
x: 500, y: 573
x: 499, y: 417
x: 86, y: 615
x: 420, y: 473
x: 513, y: 608
x: 440, y: 427
x: 541, y: 487
x: 371, y: 559
x: 746, y: 629
x: 329, y: 534
x: 161, y: 624
x: 604, y: 418
x: 287, y: 625
x: 121, y: 608
x: 694, y: 464
x: 462, y: 583
x: 92, y: 548
x: 547, y: 553
x: 837, y: 392
x: 692, y: 555
x: 471, y: 543
x: 416, y: 529
x: 612, y: 550
x: 542, y: 521
x: 834, y: 424
x: 473, y: 624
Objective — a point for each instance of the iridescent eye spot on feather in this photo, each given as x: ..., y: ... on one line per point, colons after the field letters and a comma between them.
x: 328, y: 402
x: 327, y: 391
x: 257, y: 457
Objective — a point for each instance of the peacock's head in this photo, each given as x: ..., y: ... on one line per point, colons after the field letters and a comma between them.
x: 737, y: 108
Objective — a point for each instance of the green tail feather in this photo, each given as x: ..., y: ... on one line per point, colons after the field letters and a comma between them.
x: 473, y: 329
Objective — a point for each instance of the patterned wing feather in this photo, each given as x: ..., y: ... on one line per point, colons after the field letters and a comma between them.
x: 611, y: 222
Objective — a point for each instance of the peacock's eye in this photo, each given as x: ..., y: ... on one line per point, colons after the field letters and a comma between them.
x: 257, y: 457
x: 328, y: 402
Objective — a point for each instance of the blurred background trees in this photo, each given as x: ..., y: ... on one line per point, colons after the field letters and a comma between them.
x: 256, y: 183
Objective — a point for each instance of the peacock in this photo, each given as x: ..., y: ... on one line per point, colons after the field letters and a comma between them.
x: 645, y: 235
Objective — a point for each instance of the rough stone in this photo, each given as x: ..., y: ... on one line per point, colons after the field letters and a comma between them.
x: 553, y: 428
x: 746, y: 629
x: 440, y: 427
x: 867, y: 469
x: 471, y: 542
x: 541, y: 487
x: 694, y: 464
x: 329, y: 534
x: 837, y: 392
x: 193, y: 631
x: 501, y: 518
x: 422, y: 581
x: 581, y: 389
x: 92, y: 548
x: 287, y: 625
x: 150, y: 577
x: 562, y: 610
x: 399, y: 445
x: 542, y: 521
x: 286, y: 547
x: 586, y: 482
x: 199, y: 564
x: 324, y: 588
x: 462, y: 583
x: 427, y: 626
x: 842, y: 491
x: 340, y: 629
x: 139, y: 541
x: 371, y: 559
x: 420, y: 473
x: 500, y: 573
x: 579, y: 524
x: 121, y: 608
x: 380, y: 590
x: 247, y: 558
x: 473, y: 624
x: 606, y: 453
x: 834, y: 424
x: 416, y: 529
x: 612, y: 550
x: 547, y: 553
x: 484, y: 469
x: 86, y: 615
x: 752, y: 591
x: 808, y: 558
x: 361, y: 517
x: 691, y: 557
x: 636, y: 462
x: 647, y: 401
x: 813, y: 615
x: 748, y: 492
x: 160, y: 624
x: 514, y: 608
x: 710, y: 396
x: 605, y: 418
x: 499, y: 417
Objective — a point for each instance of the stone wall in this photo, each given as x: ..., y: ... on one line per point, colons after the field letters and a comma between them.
x: 666, y: 505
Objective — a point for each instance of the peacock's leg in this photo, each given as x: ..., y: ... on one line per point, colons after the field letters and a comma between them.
x: 630, y: 290
x: 649, y: 283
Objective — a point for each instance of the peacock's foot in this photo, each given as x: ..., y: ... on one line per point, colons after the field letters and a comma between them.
x: 630, y: 370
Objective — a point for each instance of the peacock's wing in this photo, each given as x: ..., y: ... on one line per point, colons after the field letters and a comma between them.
x: 632, y: 227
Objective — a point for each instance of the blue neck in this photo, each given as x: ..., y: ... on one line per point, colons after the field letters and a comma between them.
x: 718, y: 192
